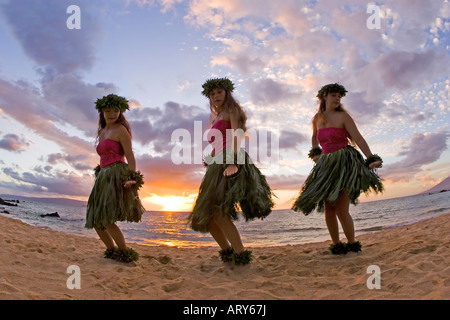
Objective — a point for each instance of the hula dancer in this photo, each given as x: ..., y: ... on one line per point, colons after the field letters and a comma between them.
x: 340, y: 173
x: 232, y: 181
x: 114, y: 196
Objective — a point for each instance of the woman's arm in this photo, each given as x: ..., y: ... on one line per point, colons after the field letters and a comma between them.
x: 125, y: 141
x: 234, y: 119
x: 351, y: 128
x: 314, y: 141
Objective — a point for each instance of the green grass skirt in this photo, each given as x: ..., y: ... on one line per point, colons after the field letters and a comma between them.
x: 334, y: 173
x: 246, y: 191
x: 110, y: 202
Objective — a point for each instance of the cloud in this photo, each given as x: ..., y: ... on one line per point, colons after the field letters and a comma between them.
x: 40, y: 27
x: 32, y: 110
x: 156, y: 125
x: 371, y: 84
x: 409, y: 22
x: 14, y: 143
x: 63, y: 98
x: 286, y: 182
x: 367, y: 41
x: 406, y: 70
x: 361, y: 108
x: 58, y: 183
x: 161, y: 176
x: 76, y: 161
x: 291, y: 139
x: 268, y: 92
x: 242, y: 61
x: 166, y: 5
x: 424, y: 149
x: 299, y: 40
x: 74, y: 100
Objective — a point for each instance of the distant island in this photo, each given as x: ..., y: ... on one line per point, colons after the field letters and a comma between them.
x: 444, y: 186
x: 61, y: 201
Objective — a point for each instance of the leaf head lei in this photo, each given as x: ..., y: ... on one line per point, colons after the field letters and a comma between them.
x: 222, y: 83
x: 331, y: 88
x: 112, y: 101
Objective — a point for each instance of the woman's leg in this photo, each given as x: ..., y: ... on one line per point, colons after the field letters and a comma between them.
x: 342, y: 212
x: 332, y: 222
x: 218, y: 235
x: 115, y: 232
x: 106, y: 238
x: 231, y: 233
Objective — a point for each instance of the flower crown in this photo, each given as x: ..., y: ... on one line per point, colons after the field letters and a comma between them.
x: 331, y: 88
x: 112, y: 101
x: 212, y: 84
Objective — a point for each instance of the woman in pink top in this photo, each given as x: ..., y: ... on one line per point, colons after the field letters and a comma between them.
x: 340, y: 173
x: 232, y: 182
x: 114, y: 196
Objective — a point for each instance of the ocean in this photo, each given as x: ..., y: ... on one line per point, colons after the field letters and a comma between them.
x: 282, y: 227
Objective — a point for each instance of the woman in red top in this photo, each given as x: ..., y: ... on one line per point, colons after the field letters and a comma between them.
x: 232, y: 182
x: 340, y: 173
x: 114, y: 196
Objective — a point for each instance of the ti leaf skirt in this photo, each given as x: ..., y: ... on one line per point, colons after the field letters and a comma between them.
x: 110, y: 202
x: 221, y: 196
x: 333, y: 174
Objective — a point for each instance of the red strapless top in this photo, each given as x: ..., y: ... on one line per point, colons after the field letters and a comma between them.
x: 217, y: 136
x: 110, y: 152
x: 332, y: 139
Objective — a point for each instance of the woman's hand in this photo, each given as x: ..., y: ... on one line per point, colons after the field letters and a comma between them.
x: 375, y: 164
x: 316, y: 158
x: 230, y: 170
x: 129, y: 184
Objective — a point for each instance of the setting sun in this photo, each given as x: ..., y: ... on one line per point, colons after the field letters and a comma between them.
x: 171, y: 203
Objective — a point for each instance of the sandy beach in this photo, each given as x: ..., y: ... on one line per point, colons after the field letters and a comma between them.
x: 414, y: 262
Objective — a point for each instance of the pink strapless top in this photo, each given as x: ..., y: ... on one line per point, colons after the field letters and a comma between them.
x: 332, y: 139
x: 110, y: 152
x: 217, y: 136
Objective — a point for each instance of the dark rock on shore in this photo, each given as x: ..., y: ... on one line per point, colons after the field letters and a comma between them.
x: 54, y: 214
x: 5, y: 203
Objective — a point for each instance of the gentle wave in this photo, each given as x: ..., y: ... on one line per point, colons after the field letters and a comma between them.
x: 282, y: 227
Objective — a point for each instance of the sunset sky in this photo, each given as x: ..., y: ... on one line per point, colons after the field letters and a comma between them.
x: 158, y: 53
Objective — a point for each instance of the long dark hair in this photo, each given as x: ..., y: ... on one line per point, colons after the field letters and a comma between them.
x: 102, y: 124
x: 231, y: 105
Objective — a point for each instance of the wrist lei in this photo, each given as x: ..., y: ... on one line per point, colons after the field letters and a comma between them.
x: 136, y: 176
x: 372, y: 159
x: 317, y: 151
x: 97, y: 170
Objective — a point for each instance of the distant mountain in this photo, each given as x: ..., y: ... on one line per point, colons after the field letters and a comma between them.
x: 444, y: 185
x: 62, y: 201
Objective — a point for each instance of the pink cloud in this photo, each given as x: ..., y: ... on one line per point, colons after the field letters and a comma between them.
x: 40, y: 26
x: 14, y: 143
x: 424, y: 149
